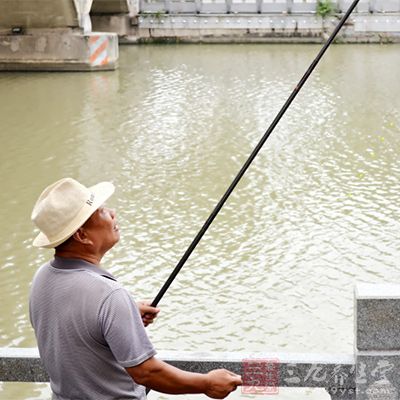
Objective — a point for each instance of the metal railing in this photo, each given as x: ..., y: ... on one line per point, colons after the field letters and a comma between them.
x: 261, y: 6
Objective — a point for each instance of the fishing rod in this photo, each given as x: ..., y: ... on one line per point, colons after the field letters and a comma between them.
x: 252, y: 156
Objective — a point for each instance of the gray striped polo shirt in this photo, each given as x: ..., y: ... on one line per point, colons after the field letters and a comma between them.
x: 88, y: 328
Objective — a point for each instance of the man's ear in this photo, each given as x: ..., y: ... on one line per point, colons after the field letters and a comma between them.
x: 81, y: 236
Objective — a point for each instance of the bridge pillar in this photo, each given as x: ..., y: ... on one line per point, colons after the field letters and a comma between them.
x: 118, y: 16
x: 55, y: 37
x: 377, y: 341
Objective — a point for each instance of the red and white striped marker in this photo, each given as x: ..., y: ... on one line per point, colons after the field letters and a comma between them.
x: 98, y: 45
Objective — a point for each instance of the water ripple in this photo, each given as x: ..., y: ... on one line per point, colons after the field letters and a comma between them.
x: 316, y: 212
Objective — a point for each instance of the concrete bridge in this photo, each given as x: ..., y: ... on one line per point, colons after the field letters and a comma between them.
x: 84, y: 34
x: 57, y: 34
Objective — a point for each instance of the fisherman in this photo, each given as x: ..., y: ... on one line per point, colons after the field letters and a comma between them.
x: 90, y: 332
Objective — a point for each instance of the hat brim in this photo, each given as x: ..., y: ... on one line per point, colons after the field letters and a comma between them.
x: 102, y: 191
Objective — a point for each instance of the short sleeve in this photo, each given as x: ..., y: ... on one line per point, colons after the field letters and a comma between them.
x: 123, y: 329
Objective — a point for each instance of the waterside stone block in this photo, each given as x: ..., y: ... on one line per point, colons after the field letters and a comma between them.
x: 378, y: 376
x: 377, y: 342
x: 377, y: 312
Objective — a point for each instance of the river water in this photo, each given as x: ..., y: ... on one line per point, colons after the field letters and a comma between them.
x: 317, y: 212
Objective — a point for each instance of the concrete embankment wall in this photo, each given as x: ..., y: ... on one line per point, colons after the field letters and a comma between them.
x: 241, y: 21
x: 262, y: 28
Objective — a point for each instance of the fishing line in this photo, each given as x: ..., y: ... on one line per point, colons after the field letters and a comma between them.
x: 252, y: 156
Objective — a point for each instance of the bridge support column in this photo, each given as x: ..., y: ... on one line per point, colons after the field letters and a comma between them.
x: 56, y: 37
x: 58, y: 51
x: 118, y: 16
x: 377, y: 341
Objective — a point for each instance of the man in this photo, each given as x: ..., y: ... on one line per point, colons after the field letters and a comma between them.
x: 90, y: 332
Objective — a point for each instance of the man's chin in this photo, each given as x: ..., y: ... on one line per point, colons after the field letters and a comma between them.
x: 114, y: 242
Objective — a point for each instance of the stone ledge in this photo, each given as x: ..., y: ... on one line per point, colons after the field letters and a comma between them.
x: 293, y: 370
x: 377, y: 291
x: 378, y: 376
x: 377, y: 311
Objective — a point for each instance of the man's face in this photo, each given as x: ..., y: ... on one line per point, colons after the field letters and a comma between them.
x: 102, y: 229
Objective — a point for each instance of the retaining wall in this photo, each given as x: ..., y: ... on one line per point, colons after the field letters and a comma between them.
x: 372, y: 372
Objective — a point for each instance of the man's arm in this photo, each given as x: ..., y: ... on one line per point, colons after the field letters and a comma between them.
x: 162, y: 377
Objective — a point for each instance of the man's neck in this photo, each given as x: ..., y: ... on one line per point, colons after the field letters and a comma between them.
x: 91, y: 258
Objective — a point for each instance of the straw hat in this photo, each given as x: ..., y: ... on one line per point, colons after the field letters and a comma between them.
x: 64, y: 207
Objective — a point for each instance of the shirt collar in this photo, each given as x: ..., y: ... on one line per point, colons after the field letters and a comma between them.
x: 79, y: 264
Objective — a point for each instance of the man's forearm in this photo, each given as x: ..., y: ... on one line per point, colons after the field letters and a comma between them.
x: 162, y: 377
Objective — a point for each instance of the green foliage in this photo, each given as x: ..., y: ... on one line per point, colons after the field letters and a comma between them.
x: 156, y: 15
x: 324, y: 8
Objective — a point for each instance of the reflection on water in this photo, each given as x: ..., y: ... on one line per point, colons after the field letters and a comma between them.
x: 316, y: 212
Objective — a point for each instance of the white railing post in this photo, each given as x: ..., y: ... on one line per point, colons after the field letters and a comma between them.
x: 372, y: 6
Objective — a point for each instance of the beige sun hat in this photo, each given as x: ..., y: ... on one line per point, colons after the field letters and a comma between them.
x: 64, y: 207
